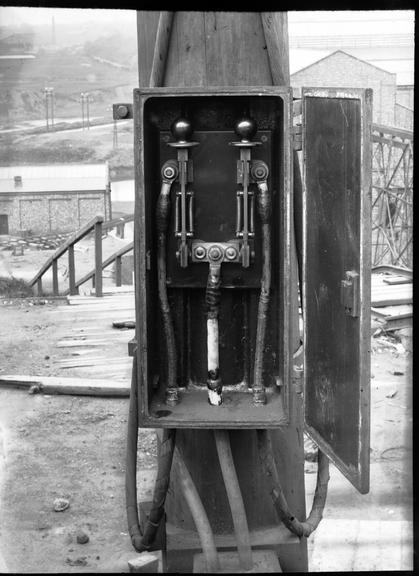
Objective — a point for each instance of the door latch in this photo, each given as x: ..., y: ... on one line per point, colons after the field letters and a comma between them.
x: 349, y: 292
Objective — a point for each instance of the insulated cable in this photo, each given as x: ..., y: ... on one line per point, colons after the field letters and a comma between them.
x: 140, y: 541
x: 259, y: 172
x: 199, y: 515
x: 235, y: 498
x: 278, y: 498
x: 169, y: 173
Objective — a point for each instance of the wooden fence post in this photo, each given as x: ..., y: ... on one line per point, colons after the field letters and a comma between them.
x: 98, y: 259
x: 71, y: 271
x: 55, y: 277
x: 118, y: 271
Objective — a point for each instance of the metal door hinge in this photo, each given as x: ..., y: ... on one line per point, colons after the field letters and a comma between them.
x: 297, y: 137
x: 297, y: 378
x: 297, y: 107
x: 349, y: 293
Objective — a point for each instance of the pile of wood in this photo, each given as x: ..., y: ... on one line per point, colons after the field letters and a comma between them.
x: 391, y: 297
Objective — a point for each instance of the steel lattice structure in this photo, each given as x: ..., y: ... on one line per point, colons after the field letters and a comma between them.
x: 392, y: 196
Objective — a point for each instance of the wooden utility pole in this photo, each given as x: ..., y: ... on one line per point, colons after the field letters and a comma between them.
x: 229, y: 49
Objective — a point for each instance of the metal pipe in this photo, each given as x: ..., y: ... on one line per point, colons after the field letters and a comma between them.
x: 199, y: 515
x: 235, y: 498
x: 169, y: 174
x: 212, y: 300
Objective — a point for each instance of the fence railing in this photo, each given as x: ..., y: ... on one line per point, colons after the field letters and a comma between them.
x: 95, y: 225
x: 92, y: 275
x: 99, y: 228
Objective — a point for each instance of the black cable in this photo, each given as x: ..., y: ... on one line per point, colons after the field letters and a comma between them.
x: 140, y: 541
x: 131, y: 463
x: 278, y: 498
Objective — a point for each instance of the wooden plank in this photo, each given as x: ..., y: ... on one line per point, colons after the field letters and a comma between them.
x: 397, y: 280
x: 250, y: 64
x: 389, y: 311
x: 186, y: 56
x: 116, y: 371
x: 114, y: 290
x: 112, y: 335
x: 391, y: 297
x: 384, y: 288
x: 179, y: 539
x: 96, y: 310
x: 89, y: 330
x: 164, y: 30
x: 397, y: 132
x: 76, y: 343
x: 111, y: 317
x: 389, y: 269
x: 106, y: 300
x: 275, y: 29
x: 88, y: 308
x: 72, y: 386
x: 109, y: 292
x: 74, y: 362
x: 147, y: 23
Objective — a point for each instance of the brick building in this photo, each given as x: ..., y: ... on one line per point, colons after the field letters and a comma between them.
x: 52, y: 198
x: 340, y: 69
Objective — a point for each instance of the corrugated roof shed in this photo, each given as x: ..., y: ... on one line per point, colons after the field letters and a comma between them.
x: 54, y: 178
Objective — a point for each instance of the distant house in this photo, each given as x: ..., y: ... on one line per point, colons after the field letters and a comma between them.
x: 405, y: 99
x: 50, y: 198
x: 340, y: 69
x: 16, y: 42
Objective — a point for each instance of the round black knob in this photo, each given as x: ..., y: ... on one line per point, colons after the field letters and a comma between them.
x: 181, y: 130
x: 245, y: 128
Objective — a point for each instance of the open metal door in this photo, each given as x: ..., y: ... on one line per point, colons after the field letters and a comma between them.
x: 336, y: 275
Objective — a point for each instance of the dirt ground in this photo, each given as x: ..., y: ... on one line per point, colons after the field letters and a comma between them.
x: 59, y: 447
x: 74, y: 448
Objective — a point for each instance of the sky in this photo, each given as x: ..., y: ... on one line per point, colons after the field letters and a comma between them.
x: 302, y: 26
x: 314, y: 22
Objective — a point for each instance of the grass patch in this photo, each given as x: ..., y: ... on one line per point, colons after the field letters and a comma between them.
x: 14, y: 288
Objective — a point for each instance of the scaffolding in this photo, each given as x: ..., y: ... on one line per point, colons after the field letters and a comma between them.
x: 392, y: 196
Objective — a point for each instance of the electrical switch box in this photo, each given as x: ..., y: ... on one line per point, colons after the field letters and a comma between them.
x: 213, y: 237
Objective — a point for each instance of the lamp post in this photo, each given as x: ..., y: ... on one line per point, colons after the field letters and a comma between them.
x: 85, y: 100
x: 49, y: 106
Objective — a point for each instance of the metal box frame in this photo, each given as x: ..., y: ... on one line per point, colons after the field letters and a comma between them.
x: 154, y: 110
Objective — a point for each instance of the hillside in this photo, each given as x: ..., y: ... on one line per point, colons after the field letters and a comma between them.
x: 76, y: 145
x: 106, y: 68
